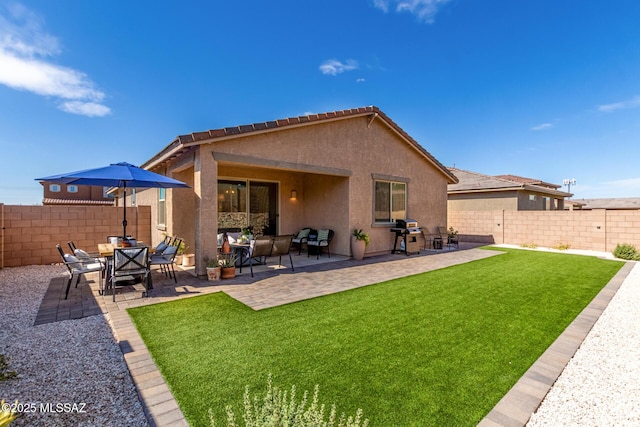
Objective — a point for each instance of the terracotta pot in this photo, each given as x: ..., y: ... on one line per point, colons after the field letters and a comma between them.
x: 357, y: 248
x: 213, y: 274
x: 228, y: 273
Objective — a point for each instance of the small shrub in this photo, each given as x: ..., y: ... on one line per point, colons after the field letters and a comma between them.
x: 277, y: 409
x: 7, y: 415
x: 528, y: 245
x: 562, y: 246
x: 5, y: 373
x: 626, y: 251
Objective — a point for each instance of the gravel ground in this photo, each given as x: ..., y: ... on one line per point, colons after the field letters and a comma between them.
x: 601, y: 384
x: 70, y: 373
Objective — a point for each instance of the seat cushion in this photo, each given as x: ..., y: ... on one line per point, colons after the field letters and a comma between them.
x: 73, y: 261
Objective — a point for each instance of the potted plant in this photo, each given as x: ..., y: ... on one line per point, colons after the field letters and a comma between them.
x: 227, y: 263
x: 359, y: 242
x: 452, y: 236
x: 213, y: 269
x: 246, y: 235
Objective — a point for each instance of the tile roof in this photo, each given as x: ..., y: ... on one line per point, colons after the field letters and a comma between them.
x: 609, y: 203
x: 50, y: 201
x: 183, y: 143
x: 523, y: 180
x: 476, y: 182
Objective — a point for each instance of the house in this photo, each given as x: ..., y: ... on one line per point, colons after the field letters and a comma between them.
x: 338, y: 170
x: 59, y: 194
x: 614, y: 203
x: 478, y: 192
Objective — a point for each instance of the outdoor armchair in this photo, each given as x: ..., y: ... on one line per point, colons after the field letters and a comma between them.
x: 301, y: 238
x: 322, y: 241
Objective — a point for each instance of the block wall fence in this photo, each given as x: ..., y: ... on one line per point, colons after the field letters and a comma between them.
x: 596, y: 230
x: 29, y: 234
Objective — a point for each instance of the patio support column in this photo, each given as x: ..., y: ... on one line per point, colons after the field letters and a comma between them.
x: 206, y: 216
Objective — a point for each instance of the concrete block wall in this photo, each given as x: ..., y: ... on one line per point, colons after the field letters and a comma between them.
x: 598, y: 229
x: 31, y: 233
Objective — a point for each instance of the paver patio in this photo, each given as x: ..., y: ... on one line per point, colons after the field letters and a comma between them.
x: 269, y: 289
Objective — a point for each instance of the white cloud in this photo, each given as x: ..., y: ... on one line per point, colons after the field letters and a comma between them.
x: 623, y: 105
x: 628, y: 187
x: 24, y: 48
x: 360, y: 80
x: 335, y: 67
x: 424, y: 10
x: 90, y: 109
x: 543, y: 126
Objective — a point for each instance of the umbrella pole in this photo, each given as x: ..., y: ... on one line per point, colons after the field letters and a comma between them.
x: 124, y: 221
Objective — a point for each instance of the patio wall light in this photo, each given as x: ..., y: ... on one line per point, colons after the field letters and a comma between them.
x: 293, y: 195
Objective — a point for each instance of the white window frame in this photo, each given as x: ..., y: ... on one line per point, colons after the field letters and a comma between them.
x: 162, y: 208
x: 54, y: 188
x: 72, y: 188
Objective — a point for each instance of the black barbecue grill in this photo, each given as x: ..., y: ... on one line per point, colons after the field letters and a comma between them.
x: 407, y: 233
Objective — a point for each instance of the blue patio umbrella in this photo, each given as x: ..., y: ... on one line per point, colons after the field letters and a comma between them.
x: 120, y: 175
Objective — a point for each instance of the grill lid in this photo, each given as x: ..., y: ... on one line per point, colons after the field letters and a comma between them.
x: 406, y: 223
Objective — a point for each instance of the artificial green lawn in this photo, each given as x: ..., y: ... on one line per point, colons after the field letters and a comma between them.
x: 438, y: 348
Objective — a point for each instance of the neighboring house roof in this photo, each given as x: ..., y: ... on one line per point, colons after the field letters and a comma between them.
x: 608, y: 203
x: 523, y: 180
x: 474, y: 182
x: 50, y: 201
x: 183, y: 143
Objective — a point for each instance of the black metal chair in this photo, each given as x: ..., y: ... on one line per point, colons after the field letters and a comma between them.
x: 166, y: 261
x: 77, y: 268
x: 128, y: 264
x: 322, y: 241
x: 301, y: 239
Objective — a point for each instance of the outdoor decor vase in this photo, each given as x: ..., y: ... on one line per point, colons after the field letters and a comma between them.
x: 357, y: 248
x: 213, y: 274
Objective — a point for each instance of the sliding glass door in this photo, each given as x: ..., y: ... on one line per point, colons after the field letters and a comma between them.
x: 248, y: 203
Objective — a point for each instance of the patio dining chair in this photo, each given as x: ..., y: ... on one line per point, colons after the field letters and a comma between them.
x: 83, y: 255
x: 129, y: 264
x: 166, y: 261
x: 282, y: 246
x: 261, y: 249
x: 77, y: 268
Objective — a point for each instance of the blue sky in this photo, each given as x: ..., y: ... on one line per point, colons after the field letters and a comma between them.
x: 542, y: 89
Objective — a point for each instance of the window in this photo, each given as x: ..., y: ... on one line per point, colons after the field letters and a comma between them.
x: 106, y: 194
x: 532, y: 197
x: 54, y: 188
x: 72, y: 188
x: 162, y: 213
x: 390, y: 201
